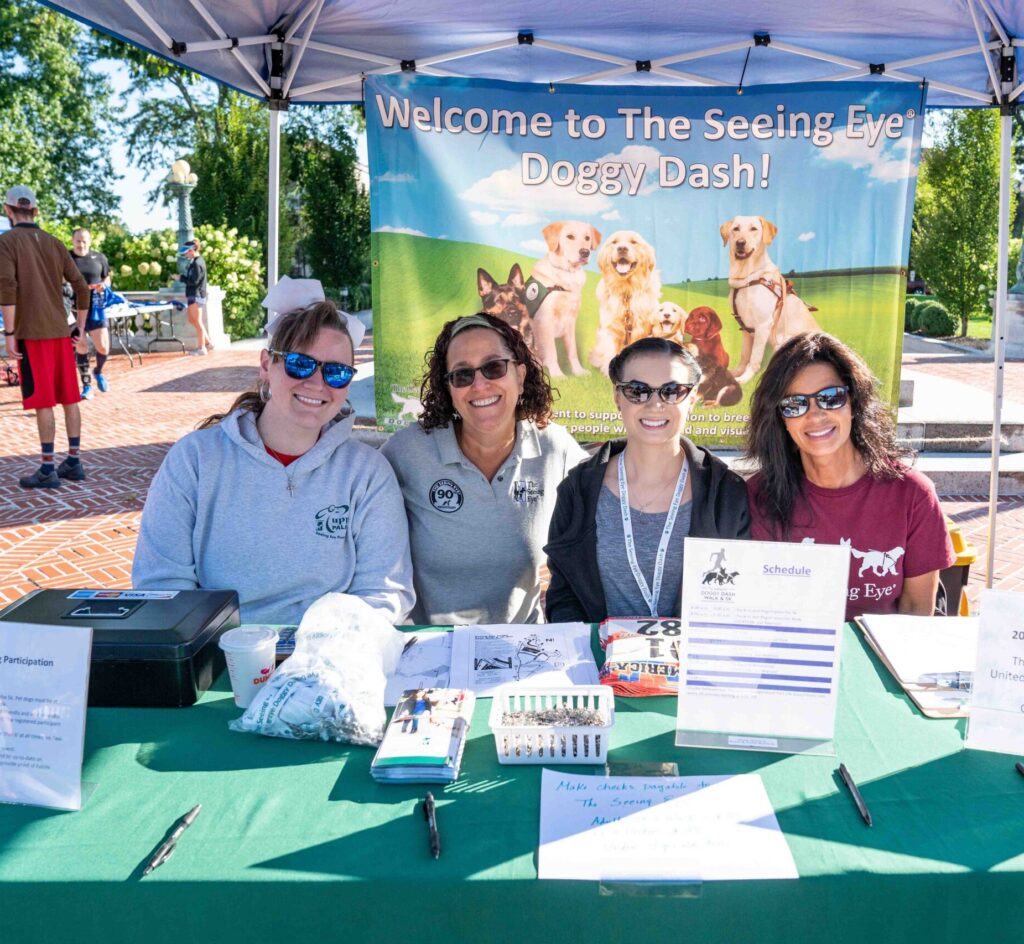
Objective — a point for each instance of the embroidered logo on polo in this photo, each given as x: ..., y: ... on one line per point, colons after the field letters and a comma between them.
x: 332, y: 521
x: 527, y: 492
x: 446, y: 496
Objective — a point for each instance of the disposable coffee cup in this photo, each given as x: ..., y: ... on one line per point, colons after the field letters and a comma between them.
x: 251, y: 654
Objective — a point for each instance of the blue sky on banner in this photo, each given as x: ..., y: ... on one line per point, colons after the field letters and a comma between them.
x: 846, y: 173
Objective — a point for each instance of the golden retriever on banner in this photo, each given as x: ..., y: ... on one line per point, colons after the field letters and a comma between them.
x: 627, y: 294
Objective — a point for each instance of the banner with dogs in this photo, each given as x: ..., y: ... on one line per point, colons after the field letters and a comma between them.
x: 588, y: 217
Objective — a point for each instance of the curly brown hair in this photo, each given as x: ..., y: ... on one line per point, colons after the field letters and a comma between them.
x: 769, y: 444
x: 438, y: 410
x: 294, y: 332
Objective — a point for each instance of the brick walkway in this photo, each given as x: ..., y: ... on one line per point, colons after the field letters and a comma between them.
x: 83, y: 535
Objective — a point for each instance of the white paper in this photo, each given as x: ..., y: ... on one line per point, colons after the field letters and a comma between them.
x: 921, y: 647
x: 762, y: 631
x: 44, y: 679
x: 997, y: 696
x: 650, y: 829
x: 425, y: 662
x: 550, y: 654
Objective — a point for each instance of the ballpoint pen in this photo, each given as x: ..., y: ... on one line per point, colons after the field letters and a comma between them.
x: 430, y: 815
x: 862, y: 808
x: 167, y: 847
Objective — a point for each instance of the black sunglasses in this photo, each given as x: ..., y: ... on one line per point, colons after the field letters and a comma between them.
x: 638, y: 392
x: 492, y: 370
x: 828, y: 398
x: 301, y: 366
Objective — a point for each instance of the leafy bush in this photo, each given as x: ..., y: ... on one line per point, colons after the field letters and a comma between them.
x: 935, y: 321
x: 148, y: 261
x: 912, y: 319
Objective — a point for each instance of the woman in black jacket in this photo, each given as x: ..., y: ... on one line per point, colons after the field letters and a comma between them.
x: 615, y: 546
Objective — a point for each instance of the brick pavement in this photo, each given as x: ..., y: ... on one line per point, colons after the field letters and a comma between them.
x: 83, y: 535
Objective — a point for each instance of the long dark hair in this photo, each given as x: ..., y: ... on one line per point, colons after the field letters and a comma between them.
x: 438, y: 410
x: 294, y: 332
x: 873, y: 432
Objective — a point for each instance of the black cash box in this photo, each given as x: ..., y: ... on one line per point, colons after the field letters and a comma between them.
x: 150, y: 649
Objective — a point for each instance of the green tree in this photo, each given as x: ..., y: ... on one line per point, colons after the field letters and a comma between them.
x: 55, y: 113
x: 334, y: 206
x: 955, y: 228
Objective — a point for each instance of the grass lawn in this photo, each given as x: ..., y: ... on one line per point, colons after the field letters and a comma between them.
x: 419, y: 283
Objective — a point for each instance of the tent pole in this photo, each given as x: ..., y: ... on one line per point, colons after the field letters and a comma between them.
x: 999, y: 336
x: 273, y: 196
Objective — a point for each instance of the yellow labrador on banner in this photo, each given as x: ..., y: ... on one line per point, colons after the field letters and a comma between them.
x: 762, y: 301
x: 570, y: 243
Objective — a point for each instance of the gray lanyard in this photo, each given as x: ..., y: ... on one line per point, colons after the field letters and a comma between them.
x: 650, y: 595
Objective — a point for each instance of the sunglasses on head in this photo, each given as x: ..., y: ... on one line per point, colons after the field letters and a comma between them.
x: 492, y: 370
x: 638, y: 392
x: 828, y: 398
x: 302, y: 366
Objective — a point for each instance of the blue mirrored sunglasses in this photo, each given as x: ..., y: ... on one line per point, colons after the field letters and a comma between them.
x: 302, y: 366
x: 828, y: 398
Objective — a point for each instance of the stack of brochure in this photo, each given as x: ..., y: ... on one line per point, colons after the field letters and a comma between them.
x: 426, y: 736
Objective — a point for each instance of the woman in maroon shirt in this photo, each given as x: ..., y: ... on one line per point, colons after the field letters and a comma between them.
x: 831, y: 472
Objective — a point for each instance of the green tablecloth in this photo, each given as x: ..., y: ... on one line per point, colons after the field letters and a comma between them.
x: 296, y: 841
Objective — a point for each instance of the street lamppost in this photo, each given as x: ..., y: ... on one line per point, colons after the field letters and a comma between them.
x: 180, y: 183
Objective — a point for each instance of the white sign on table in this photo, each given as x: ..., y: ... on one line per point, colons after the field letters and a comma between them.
x: 997, y: 696
x: 759, y: 657
x: 659, y: 829
x: 44, y: 680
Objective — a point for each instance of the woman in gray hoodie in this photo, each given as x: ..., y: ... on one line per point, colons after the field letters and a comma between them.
x: 275, y: 499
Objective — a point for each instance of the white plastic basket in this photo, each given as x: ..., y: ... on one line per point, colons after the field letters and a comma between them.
x: 552, y: 744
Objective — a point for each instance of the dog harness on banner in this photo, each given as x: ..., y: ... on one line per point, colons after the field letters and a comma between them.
x: 535, y: 293
x: 777, y: 289
x: 650, y: 594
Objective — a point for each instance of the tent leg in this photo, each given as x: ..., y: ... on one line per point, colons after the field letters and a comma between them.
x: 273, y: 197
x: 999, y: 337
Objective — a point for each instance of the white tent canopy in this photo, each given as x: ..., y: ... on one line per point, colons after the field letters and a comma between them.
x: 319, y: 51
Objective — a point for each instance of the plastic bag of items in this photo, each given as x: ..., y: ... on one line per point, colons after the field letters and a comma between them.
x: 332, y: 687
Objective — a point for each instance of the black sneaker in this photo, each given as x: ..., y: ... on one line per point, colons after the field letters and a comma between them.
x: 73, y: 473
x: 38, y: 480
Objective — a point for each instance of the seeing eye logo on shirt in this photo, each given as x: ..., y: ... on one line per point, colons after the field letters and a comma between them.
x: 446, y: 496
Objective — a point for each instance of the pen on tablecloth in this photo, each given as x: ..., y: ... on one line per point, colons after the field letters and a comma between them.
x: 1020, y: 768
x: 862, y: 808
x: 430, y: 815
x: 167, y: 847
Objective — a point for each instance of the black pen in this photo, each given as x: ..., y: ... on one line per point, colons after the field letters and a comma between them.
x: 430, y: 815
x: 1020, y: 768
x: 167, y: 847
x: 844, y: 775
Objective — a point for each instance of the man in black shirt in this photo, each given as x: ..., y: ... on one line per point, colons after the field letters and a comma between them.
x: 96, y: 271
x: 195, y: 294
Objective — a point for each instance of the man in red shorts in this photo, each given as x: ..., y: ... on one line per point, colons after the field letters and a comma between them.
x: 33, y: 268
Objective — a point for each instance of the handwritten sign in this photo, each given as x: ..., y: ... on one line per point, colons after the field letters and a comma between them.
x: 644, y: 829
x: 44, y: 676
x: 997, y: 697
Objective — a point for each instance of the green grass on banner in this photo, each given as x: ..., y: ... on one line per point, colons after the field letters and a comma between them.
x: 420, y: 283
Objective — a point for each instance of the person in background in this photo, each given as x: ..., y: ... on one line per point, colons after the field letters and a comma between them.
x: 33, y: 268
x: 478, y: 473
x: 615, y: 548
x: 195, y: 294
x: 96, y: 271
x: 831, y: 472
x: 275, y: 499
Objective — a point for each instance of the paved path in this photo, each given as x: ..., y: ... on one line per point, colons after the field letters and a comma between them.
x: 84, y: 534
